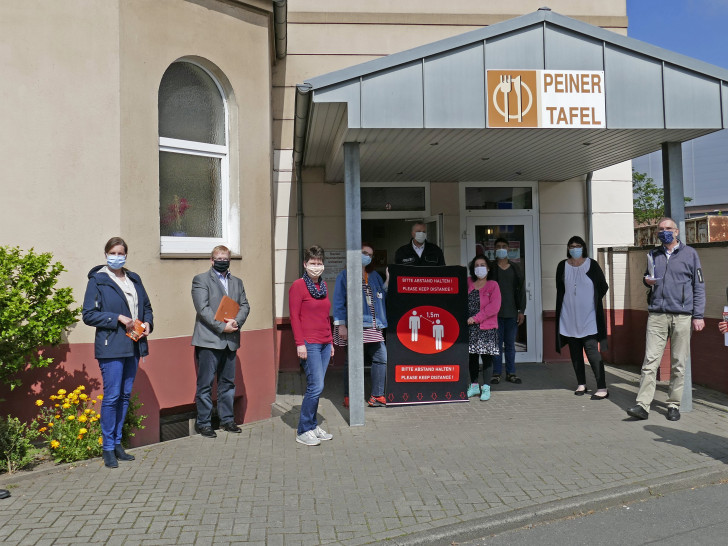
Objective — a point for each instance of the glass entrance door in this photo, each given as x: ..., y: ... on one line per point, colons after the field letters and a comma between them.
x: 481, y: 234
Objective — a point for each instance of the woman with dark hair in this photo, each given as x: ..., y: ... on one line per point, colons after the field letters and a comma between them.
x: 118, y: 306
x: 580, y: 322
x: 309, y: 306
x: 374, y: 292
x: 484, y: 300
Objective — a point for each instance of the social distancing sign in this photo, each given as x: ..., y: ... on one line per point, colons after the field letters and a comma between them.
x: 427, y: 338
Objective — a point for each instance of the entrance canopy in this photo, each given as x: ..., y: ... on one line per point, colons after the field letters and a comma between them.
x: 538, y: 97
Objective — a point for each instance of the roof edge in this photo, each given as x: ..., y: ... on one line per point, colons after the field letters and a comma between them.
x: 524, y: 21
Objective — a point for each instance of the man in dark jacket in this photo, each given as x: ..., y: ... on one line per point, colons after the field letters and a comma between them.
x: 676, y: 303
x: 419, y: 251
x: 216, y: 342
x: 510, y: 280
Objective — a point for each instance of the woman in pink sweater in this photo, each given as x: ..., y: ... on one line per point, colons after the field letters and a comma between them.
x: 484, y: 300
x: 309, y: 306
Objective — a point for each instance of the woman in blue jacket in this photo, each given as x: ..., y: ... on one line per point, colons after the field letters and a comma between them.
x: 373, y: 291
x: 115, y: 298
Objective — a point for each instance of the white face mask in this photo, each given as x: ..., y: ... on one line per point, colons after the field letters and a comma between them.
x: 420, y: 236
x: 481, y: 272
x: 314, y: 270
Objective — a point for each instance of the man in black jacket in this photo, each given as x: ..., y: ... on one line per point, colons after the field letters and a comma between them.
x: 419, y: 251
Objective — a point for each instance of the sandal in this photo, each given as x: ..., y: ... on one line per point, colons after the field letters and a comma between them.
x: 513, y: 378
x: 495, y: 380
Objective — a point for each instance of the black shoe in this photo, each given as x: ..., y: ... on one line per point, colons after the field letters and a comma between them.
x: 110, y: 459
x: 597, y: 397
x: 638, y: 412
x: 122, y: 455
x: 4, y: 493
x: 231, y: 427
x: 207, y: 432
x: 673, y: 414
x: 581, y: 393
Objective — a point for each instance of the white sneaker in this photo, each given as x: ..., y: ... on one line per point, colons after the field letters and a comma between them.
x: 321, y: 434
x: 308, y: 438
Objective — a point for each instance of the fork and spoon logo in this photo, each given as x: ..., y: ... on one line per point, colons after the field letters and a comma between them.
x: 509, y: 85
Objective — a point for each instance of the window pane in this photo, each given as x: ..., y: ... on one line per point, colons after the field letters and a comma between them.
x: 497, y: 198
x: 392, y: 198
x: 190, y: 105
x: 190, y: 195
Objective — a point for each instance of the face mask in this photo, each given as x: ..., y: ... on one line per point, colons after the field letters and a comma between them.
x: 481, y: 272
x: 665, y: 236
x: 576, y: 252
x: 366, y: 259
x: 221, y: 265
x: 420, y: 236
x: 314, y: 270
x: 501, y: 253
x: 115, y: 261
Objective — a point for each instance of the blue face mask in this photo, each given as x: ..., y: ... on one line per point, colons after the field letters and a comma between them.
x: 115, y: 261
x: 501, y: 253
x: 665, y: 236
x: 366, y: 259
x: 576, y: 252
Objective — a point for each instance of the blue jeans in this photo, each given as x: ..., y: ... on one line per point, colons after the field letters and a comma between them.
x: 118, y: 376
x: 211, y: 362
x: 507, y: 329
x: 376, y: 353
x: 318, y: 356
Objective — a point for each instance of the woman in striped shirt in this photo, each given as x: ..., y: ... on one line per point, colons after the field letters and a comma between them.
x: 374, y: 292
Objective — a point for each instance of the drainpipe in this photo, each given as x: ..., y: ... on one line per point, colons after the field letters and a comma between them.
x: 589, y: 211
x: 280, y: 22
x: 300, y: 128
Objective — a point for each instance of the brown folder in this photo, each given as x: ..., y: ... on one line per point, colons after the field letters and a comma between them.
x: 227, y: 309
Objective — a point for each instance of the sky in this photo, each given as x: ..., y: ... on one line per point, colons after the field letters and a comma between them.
x: 698, y: 29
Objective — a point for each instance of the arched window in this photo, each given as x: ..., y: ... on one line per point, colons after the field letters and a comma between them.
x: 194, y: 192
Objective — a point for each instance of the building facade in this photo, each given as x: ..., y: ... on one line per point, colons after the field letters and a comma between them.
x: 181, y: 124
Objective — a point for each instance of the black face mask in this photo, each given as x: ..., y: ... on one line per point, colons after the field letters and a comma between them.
x: 221, y: 265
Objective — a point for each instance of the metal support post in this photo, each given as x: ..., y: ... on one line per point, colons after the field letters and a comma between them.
x: 672, y: 184
x: 354, y: 307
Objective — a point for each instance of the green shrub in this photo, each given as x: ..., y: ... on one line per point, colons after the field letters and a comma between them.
x: 133, y: 420
x: 33, y: 312
x: 16, y: 444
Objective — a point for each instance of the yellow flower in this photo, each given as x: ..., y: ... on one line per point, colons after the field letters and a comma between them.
x: 66, y: 405
x: 76, y: 391
x: 100, y: 397
x: 39, y: 403
x: 76, y: 401
x: 81, y: 388
x: 71, y: 417
x: 58, y: 416
x: 55, y: 444
x: 101, y: 442
x: 83, y: 431
x: 61, y: 391
x: 82, y: 419
x: 87, y: 410
x: 56, y: 405
x: 83, y: 396
x: 79, y: 437
x: 93, y: 401
x: 42, y: 429
x: 52, y: 397
x: 50, y: 424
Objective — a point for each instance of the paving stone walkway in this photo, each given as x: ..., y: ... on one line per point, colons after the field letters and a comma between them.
x: 416, y: 474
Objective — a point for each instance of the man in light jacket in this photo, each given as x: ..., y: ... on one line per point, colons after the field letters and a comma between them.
x: 215, y: 342
x: 676, y: 303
